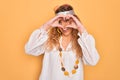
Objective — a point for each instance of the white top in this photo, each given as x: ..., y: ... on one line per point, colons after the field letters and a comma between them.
x: 51, y: 68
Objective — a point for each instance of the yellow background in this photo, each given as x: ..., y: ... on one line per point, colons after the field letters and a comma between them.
x: 18, y: 18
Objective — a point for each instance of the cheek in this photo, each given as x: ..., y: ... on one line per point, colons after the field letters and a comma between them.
x: 70, y: 30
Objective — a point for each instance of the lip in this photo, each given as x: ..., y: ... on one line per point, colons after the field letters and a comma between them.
x: 65, y: 29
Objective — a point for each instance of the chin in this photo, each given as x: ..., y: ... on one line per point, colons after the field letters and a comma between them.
x: 67, y: 33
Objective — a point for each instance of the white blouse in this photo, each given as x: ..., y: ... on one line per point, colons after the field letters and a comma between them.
x: 51, y: 68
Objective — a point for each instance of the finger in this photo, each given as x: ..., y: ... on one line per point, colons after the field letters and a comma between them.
x: 57, y: 18
x: 60, y: 16
x: 67, y: 17
x: 70, y: 18
x: 78, y: 23
x: 71, y: 27
x: 73, y: 17
x: 58, y: 26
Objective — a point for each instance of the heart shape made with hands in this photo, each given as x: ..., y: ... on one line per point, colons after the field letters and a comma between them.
x: 65, y: 21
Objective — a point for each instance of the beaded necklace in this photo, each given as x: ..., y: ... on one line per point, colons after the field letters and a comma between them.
x: 74, y: 70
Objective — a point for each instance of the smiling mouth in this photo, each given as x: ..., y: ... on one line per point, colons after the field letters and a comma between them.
x: 65, y: 29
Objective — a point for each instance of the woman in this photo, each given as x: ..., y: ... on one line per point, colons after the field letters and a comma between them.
x: 66, y: 46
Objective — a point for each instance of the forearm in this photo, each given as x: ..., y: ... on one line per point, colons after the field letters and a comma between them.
x: 35, y: 44
x: 90, y: 54
x: 81, y: 29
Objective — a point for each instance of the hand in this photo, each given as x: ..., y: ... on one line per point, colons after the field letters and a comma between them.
x: 54, y: 22
x: 57, y: 22
x: 76, y: 24
x: 72, y: 23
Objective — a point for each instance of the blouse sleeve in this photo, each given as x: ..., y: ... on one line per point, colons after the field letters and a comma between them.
x: 87, y: 43
x: 36, y: 43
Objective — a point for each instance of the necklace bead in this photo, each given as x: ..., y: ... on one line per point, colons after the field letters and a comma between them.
x: 66, y: 73
x: 76, y: 67
x: 77, y: 61
x: 63, y: 69
x: 60, y: 49
x: 73, y: 71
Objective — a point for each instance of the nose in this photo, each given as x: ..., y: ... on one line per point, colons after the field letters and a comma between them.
x: 65, y: 23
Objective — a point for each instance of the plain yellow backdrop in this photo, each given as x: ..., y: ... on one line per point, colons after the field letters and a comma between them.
x: 18, y: 19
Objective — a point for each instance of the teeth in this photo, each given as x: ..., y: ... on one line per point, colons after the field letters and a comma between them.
x: 64, y: 28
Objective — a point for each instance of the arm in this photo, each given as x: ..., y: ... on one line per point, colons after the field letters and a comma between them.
x: 87, y: 43
x: 36, y: 43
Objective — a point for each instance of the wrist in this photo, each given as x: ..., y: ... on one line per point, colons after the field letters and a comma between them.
x: 45, y: 27
x: 81, y: 29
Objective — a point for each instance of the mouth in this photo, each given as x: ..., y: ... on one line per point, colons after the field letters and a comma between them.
x: 65, y: 29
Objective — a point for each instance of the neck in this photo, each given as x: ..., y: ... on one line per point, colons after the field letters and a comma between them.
x: 65, y: 41
x: 67, y: 37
